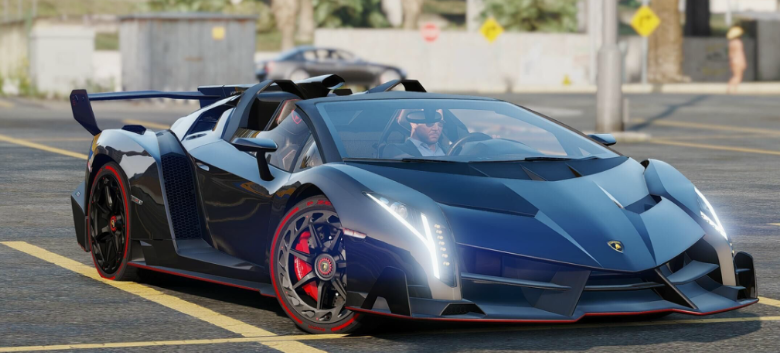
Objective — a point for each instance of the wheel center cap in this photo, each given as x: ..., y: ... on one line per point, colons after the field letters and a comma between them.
x: 324, y: 264
x: 112, y: 223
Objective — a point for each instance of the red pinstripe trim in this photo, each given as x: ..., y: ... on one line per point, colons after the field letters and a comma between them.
x: 196, y: 278
x: 342, y: 326
x: 127, y: 221
x: 271, y: 266
x: 530, y: 321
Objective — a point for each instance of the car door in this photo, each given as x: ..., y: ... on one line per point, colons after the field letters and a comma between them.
x: 236, y: 201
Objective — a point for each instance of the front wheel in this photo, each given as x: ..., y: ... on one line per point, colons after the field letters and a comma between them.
x: 308, y: 268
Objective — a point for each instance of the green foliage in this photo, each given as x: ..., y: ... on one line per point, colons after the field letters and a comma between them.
x: 2, y: 83
x: 107, y: 41
x: 349, y: 13
x: 187, y: 5
x: 533, y: 15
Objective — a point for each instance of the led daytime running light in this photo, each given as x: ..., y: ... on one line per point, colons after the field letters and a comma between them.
x: 715, y: 223
x: 426, y: 240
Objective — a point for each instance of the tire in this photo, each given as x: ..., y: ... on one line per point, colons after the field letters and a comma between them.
x: 108, y: 231
x: 310, y: 283
x: 299, y: 75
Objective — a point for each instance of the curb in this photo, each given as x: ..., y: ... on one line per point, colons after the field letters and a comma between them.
x: 749, y: 88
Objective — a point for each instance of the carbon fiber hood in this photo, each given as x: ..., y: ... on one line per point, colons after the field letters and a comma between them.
x: 569, y: 220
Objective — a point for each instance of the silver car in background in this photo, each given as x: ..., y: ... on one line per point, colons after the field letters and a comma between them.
x: 303, y: 62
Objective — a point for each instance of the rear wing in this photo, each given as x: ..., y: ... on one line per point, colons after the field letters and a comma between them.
x: 82, y: 108
x: 313, y: 87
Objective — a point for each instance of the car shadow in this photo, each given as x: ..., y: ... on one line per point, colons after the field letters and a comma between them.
x: 589, y: 333
x: 219, y: 292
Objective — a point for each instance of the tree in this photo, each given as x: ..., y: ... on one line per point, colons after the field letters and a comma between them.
x: 534, y: 15
x: 306, y: 22
x: 697, y: 18
x: 412, y: 10
x: 186, y: 5
x: 665, y: 54
x: 349, y: 13
x: 284, y: 14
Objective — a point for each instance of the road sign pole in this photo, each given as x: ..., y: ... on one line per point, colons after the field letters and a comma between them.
x: 644, y: 52
x: 609, y: 97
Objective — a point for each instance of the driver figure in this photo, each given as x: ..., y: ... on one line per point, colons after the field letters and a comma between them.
x: 424, y: 141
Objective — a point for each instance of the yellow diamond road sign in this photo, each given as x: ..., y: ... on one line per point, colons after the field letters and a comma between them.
x: 645, y: 21
x: 491, y: 30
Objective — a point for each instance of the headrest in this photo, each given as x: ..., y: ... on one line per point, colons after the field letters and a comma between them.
x: 423, y: 117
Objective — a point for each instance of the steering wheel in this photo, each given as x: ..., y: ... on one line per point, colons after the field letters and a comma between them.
x: 471, y: 137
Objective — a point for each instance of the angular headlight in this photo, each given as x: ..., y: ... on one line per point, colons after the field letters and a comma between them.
x: 415, y: 222
x: 708, y: 214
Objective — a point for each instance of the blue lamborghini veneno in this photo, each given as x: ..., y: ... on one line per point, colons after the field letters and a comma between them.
x: 400, y: 203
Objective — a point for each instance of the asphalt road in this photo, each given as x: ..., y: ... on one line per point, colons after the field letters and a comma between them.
x: 727, y: 145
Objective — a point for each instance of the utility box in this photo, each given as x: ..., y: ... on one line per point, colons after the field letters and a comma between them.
x: 181, y: 51
x: 61, y: 57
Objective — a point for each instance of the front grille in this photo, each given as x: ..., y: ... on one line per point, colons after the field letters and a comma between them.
x: 182, y: 197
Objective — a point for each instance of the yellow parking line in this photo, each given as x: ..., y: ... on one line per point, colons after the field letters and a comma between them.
x: 718, y: 137
x: 163, y: 299
x: 39, y: 146
x: 716, y: 127
x: 714, y: 147
x: 769, y: 301
x: 295, y: 338
x: 60, y: 139
x: 774, y: 224
x: 148, y: 124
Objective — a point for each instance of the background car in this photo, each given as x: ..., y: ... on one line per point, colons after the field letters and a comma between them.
x: 307, y: 61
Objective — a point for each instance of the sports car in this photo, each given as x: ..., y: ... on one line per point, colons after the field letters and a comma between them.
x: 347, y: 207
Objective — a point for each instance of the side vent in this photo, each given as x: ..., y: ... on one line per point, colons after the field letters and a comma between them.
x: 182, y: 199
x: 462, y: 309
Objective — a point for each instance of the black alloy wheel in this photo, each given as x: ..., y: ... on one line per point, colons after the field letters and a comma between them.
x: 107, y: 223
x: 309, y: 268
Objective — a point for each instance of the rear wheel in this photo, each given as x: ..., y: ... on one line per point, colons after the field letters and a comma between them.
x: 308, y: 268
x: 108, y: 219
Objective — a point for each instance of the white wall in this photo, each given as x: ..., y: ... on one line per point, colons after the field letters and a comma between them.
x: 61, y: 57
x: 462, y: 61
x: 721, y: 6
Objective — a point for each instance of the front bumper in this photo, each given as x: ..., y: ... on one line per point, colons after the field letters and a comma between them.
x: 533, y: 291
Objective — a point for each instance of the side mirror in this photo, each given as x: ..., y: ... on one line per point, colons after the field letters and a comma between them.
x: 261, y: 146
x: 604, y: 139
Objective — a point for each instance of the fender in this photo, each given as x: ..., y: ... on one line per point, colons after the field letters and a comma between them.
x: 664, y: 180
x: 345, y: 186
x: 138, y: 157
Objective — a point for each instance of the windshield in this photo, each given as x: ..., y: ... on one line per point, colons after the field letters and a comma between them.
x: 451, y: 130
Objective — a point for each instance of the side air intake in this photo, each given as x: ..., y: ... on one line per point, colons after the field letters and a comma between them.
x: 182, y: 199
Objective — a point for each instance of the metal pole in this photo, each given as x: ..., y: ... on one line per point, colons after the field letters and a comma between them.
x: 609, y: 97
x: 19, y: 8
x: 644, y: 52
x: 5, y: 10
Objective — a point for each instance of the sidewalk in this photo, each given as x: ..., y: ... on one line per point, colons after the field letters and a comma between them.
x: 748, y: 88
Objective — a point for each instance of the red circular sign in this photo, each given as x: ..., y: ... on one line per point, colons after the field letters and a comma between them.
x: 430, y: 32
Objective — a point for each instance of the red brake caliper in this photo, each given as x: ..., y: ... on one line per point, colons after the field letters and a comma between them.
x: 302, y: 268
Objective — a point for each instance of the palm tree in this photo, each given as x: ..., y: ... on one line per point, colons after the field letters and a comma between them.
x: 665, y: 53
x: 412, y: 9
x: 306, y: 22
x: 285, y: 12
